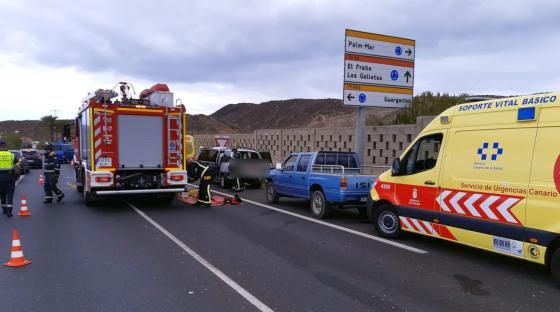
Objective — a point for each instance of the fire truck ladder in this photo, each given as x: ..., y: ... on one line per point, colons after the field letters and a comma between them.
x: 175, y: 145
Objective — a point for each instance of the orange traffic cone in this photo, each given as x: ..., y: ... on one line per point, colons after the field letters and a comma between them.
x: 41, y: 179
x: 24, y: 211
x: 16, y: 259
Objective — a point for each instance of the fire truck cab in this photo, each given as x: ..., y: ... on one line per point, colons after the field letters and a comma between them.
x: 130, y: 146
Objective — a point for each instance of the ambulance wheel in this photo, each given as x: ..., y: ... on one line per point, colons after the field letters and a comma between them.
x: 271, y: 195
x: 386, y: 221
x: 224, y: 183
x: 320, y: 208
x: 555, y: 266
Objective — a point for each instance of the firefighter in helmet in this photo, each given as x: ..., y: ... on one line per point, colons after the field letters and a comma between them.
x: 8, y: 163
x: 195, y: 171
x: 51, y: 170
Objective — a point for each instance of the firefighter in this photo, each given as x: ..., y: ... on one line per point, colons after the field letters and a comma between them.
x: 51, y: 170
x: 195, y: 171
x: 8, y: 177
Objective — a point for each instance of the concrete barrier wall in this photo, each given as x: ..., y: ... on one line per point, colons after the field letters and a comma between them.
x: 382, y: 143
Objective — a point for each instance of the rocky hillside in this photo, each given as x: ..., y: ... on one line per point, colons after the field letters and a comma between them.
x: 295, y: 113
x: 247, y: 117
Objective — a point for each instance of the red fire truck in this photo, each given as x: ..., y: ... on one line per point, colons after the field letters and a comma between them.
x: 130, y: 146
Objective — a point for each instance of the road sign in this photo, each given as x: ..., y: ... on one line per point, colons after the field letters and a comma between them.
x: 221, y: 141
x: 378, y: 70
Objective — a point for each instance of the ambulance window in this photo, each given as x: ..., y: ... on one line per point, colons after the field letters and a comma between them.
x: 423, y: 155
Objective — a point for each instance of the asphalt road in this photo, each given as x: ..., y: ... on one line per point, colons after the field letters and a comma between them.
x: 114, y: 257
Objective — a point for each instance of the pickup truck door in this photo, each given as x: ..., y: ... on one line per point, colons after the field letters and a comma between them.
x: 283, y: 180
x: 300, y: 183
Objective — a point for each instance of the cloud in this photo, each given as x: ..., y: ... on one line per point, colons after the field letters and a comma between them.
x: 220, y: 52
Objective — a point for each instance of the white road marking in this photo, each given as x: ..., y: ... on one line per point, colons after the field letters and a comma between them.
x: 20, y: 179
x: 231, y: 283
x: 334, y: 226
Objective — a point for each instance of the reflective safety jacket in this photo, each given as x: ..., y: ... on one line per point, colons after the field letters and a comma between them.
x: 50, y: 164
x: 7, y: 161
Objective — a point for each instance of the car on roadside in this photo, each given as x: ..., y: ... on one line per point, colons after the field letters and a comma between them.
x: 325, y: 179
x: 64, y: 152
x: 22, y: 167
x: 33, y: 157
x: 250, y: 166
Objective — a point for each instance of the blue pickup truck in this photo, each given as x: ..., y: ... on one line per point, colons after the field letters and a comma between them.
x: 326, y: 179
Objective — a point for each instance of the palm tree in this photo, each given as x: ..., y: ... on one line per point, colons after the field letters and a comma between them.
x: 50, y: 122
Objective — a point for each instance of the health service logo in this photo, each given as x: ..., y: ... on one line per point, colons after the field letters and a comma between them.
x: 493, y: 152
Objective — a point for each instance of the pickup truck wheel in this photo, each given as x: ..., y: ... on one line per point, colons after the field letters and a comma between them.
x: 271, y: 195
x: 386, y: 221
x: 320, y: 208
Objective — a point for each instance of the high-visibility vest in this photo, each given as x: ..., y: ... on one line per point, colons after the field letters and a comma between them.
x: 6, y: 160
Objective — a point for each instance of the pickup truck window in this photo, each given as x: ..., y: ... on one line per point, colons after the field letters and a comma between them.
x: 303, y: 163
x: 347, y: 161
x: 423, y: 155
x: 289, y: 164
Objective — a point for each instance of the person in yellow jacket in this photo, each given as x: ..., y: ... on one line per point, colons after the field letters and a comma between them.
x: 8, y: 178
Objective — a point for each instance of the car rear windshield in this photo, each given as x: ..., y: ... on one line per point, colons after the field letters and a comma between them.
x: 29, y: 154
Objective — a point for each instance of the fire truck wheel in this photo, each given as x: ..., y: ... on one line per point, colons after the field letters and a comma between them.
x: 88, y: 198
x: 320, y: 208
x: 555, y: 266
x: 386, y: 221
x: 271, y: 195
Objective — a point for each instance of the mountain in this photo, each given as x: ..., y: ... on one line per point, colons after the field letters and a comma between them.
x: 294, y: 113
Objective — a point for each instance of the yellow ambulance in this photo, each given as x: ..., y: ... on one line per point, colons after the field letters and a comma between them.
x: 484, y: 174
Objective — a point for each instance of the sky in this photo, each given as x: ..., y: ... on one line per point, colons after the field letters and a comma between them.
x: 214, y: 53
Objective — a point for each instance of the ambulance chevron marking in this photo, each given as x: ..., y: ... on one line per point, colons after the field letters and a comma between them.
x: 455, y: 202
x: 486, y: 207
x: 418, y: 227
x: 495, y: 207
x: 469, y: 204
x: 404, y: 222
x: 441, y: 199
x: 430, y: 228
x: 504, y: 207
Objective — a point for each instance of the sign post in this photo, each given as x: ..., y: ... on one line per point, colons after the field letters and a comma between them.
x: 378, y: 72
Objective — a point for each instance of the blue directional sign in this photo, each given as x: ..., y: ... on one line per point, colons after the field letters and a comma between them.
x: 362, y: 98
x: 394, y: 75
x: 398, y: 51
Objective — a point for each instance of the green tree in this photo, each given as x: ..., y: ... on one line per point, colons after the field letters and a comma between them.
x: 50, y: 122
x: 13, y: 140
x: 427, y: 104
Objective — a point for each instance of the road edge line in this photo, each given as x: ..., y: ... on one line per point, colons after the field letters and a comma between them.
x: 19, y: 179
x: 226, y: 279
x: 338, y: 227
